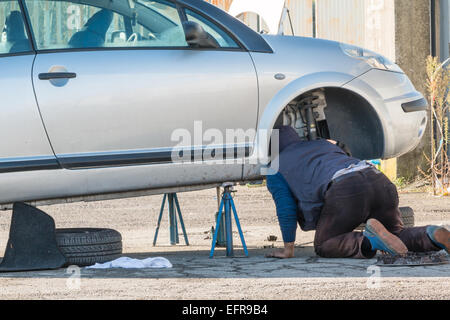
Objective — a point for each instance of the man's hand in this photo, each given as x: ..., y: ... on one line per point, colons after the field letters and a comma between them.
x: 286, y: 253
x: 342, y: 146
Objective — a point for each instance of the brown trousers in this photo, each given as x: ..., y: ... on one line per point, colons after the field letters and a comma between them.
x: 353, y: 200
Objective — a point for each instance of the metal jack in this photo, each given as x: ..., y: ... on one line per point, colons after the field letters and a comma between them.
x: 228, y: 203
x: 174, y: 208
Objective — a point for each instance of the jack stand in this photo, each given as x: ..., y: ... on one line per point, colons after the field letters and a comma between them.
x: 221, y: 239
x: 228, y: 203
x: 172, y: 199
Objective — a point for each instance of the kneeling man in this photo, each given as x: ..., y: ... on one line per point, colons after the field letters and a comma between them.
x: 323, y: 188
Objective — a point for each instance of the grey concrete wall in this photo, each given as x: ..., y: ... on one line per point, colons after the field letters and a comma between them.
x: 444, y: 29
x: 412, y: 47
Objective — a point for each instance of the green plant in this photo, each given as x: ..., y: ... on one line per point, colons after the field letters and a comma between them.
x: 438, y: 88
x: 400, y: 182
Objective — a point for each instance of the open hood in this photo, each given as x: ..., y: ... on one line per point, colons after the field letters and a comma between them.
x: 271, y: 11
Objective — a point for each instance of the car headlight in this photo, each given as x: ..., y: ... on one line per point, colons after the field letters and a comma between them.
x: 374, y: 59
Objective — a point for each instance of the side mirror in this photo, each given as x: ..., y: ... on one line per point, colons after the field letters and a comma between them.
x: 197, y: 37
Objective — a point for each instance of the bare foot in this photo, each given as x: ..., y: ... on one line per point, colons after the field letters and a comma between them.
x: 279, y: 254
x: 286, y: 253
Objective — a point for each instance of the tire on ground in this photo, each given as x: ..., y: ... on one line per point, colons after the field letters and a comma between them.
x: 407, y: 216
x: 87, y: 246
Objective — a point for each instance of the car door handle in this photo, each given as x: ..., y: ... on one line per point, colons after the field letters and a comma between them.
x: 57, y: 75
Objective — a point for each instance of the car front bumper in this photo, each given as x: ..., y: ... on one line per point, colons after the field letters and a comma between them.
x: 401, y: 109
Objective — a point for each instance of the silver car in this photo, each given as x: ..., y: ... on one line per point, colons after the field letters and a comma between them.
x: 98, y: 98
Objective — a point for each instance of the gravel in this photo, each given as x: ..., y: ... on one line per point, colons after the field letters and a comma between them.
x: 195, y: 276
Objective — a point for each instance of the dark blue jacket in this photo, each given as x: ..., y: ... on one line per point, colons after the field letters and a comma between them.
x: 308, y: 167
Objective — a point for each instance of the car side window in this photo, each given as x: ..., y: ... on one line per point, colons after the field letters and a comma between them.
x: 13, y: 37
x: 71, y: 25
x: 224, y: 40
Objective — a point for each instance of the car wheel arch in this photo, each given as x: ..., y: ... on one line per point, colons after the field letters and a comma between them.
x: 333, y: 84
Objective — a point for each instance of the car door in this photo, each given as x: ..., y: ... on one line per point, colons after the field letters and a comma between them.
x: 24, y: 145
x: 116, y: 83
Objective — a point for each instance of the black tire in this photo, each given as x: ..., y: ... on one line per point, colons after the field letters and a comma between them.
x: 407, y: 216
x: 87, y: 246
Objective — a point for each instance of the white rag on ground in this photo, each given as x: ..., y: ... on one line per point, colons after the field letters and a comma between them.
x: 129, y: 263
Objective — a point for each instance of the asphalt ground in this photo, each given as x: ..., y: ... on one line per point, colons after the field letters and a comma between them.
x: 195, y: 276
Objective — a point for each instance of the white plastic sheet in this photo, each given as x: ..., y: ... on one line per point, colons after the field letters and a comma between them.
x: 129, y: 263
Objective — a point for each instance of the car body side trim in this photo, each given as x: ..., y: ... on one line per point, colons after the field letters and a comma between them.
x: 28, y: 164
x: 149, y: 157
x: 416, y: 105
x: 81, y: 161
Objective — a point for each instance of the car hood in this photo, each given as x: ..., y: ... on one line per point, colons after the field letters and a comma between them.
x: 310, y: 55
